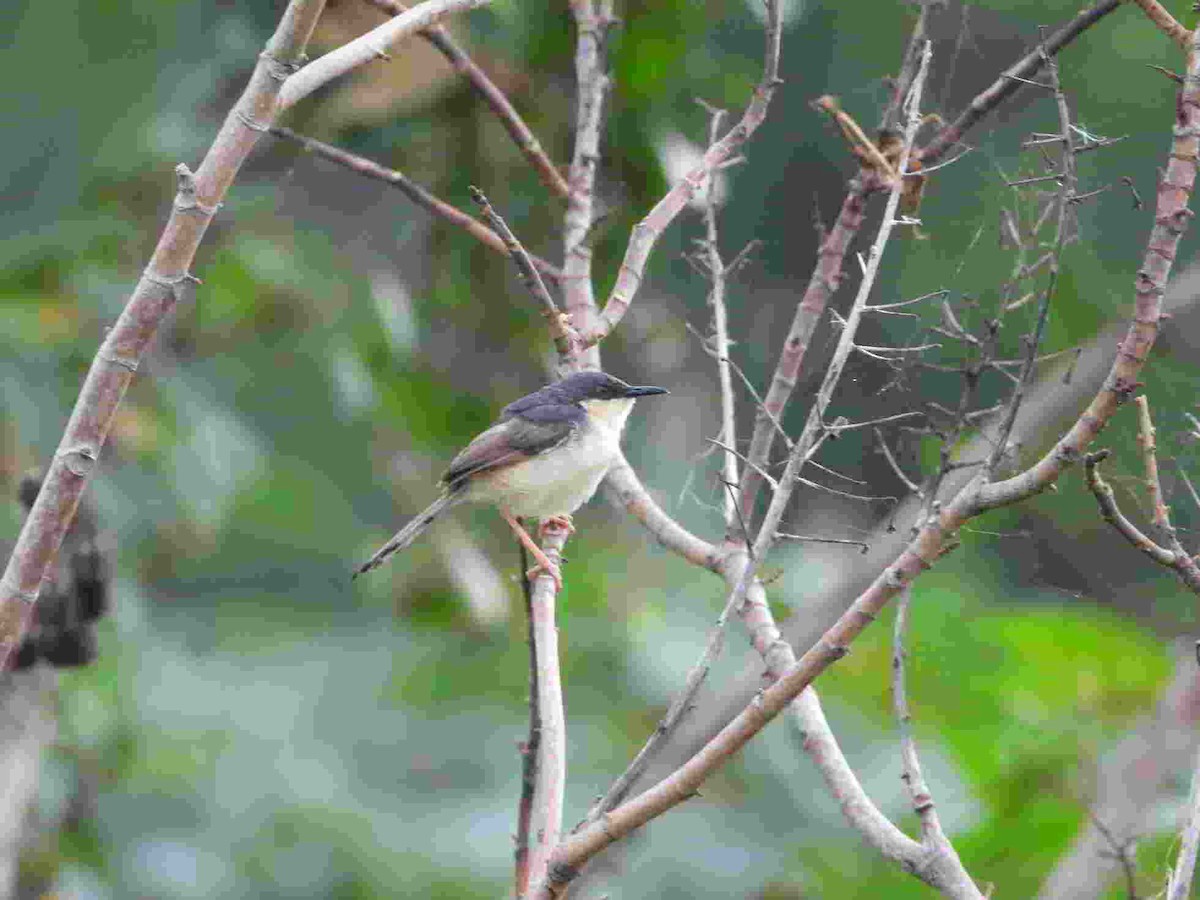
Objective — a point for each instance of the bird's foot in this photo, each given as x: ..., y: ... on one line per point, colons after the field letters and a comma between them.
x: 556, y: 523
x: 545, y: 567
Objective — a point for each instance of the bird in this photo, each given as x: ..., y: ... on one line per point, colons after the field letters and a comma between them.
x: 543, y: 458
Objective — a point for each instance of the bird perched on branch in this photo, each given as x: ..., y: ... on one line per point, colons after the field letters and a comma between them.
x: 544, y: 458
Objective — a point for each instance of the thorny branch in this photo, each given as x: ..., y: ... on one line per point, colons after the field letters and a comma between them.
x: 827, y: 274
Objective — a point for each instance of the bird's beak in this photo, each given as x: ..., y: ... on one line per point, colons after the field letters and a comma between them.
x: 645, y: 391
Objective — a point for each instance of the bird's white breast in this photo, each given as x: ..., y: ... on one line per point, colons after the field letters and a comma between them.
x: 561, y: 480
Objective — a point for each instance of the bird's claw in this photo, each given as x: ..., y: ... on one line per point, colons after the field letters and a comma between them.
x: 547, y: 568
x: 556, y: 523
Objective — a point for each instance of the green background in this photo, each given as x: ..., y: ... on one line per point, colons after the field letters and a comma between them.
x: 257, y: 726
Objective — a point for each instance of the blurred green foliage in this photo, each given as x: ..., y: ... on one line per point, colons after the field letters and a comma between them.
x: 255, y: 726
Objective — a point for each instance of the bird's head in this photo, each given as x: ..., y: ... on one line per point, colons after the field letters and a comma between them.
x: 592, y: 385
x: 607, y: 399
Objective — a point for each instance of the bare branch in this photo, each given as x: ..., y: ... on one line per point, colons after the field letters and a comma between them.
x: 1162, y: 515
x: 933, y: 837
x: 531, y: 748
x: 717, y: 274
x: 647, y: 231
x: 561, y: 331
x: 1004, y: 86
x: 521, y: 134
x: 1068, y: 181
x: 682, y: 783
x: 365, y: 48
x: 592, y: 23
x: 413, y: 191
x: 822, y: 284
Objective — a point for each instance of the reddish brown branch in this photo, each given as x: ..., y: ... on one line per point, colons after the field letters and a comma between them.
x: 440, y: 38
x: 414, y: 192
x: 822, y: 284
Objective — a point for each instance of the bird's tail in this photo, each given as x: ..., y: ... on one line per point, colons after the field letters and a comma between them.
x: 409, y: 532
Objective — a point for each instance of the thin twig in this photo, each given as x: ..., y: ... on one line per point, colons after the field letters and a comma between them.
x: 932, y: 836
x: 560, y: 325
x: 646, y: 232
x: 1161, y: 515
x: 522, y: 135
x: 894, y: 463
x: 413, y: 191
x: 1066, y: 191
x: 717, y: 274
x: 1004, y: 86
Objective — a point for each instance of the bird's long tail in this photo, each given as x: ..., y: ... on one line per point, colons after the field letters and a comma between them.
x: 409, y: 532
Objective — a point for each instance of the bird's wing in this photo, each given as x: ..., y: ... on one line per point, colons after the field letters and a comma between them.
x: 508, y: 442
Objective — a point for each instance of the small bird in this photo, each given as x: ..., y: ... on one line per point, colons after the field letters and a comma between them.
x: 544, y: 458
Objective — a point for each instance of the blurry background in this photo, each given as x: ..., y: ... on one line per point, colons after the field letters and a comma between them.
x: 256, y: 726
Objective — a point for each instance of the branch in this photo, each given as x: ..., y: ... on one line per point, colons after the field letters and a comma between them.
x: 592, y: 22
x: 934, y: 840
x: 160, y: 287
x: 936, y: 535
x: 828, y: 271
x: 1066, y: 191
x: 684, y: 782
x: 1011, y: 79
x: 717, y: 274
x: 550, y: 764
x: 805, y: 713
x: 646, y: 232
x: 1180, y: 885
x: 365, y: 48
x: 1173, y: 556
x: 822, y: 284
x: 1165, y: 22
x: 531, y: 748
x: 521, y: 134
x: 413, y: 191
x: 563, y: 334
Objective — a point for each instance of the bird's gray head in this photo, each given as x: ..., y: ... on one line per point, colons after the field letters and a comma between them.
x: 592, y: 385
